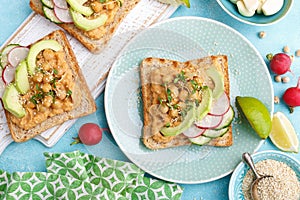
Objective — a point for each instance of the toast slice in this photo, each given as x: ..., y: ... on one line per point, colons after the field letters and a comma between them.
x: 94, y: 40
x: 155, y: 73
x: 81, y: 101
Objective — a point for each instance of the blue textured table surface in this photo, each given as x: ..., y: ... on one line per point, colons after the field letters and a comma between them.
x: 29, y: 156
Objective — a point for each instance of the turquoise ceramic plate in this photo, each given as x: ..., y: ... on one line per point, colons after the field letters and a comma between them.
x: 184, y: 39
x: 259, y: 20
x: 235, y: 185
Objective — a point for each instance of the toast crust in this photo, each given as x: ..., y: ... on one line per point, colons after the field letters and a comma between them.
x: 152, y: 138
x: 93, y: 45
x: 82, y: 97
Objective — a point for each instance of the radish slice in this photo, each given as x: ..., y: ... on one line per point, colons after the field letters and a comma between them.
x: 61, y: 4
x: 220, y: 106
x: 16, y: 55
x: 209, y: 122
x: 63, y: 14
x: 8, y: 74
x: 193, y: 131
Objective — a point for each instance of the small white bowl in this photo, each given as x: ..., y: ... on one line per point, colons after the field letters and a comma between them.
x: 235, y: 185
x: 257, y: 19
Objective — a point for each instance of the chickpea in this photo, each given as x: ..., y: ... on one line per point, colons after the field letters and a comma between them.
x: 278, y: 78
x: 47, y: 101
x: 46, y: 87
x: 183, y: 95
x: 286, y: 49
x: 57, y: 104
x: 48, y: 54
x: 47, y: 78
x: 29, y: 104
x: 262, y: 34
x: 286, y: 79
x: 97, y: 6
x: 110, y: 5
x: 46, y: 66
x: 163, y: 108
x: 68, y: 105
x: 173, y: 113
x: 297, y: 53
x: 276, y: 100
x: 60, y: 91
x: 37, y: 77
x: 174, y: 90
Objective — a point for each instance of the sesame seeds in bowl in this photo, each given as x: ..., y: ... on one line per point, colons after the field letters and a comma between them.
x: 257, y: 19
x: 285, y: 171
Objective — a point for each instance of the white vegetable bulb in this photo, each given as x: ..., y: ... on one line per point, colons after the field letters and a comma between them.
x: 270, y: 7
x: 251, y: 5
x: 243, y: 10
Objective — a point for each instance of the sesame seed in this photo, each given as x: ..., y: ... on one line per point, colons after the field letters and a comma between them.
x: 283, y: 184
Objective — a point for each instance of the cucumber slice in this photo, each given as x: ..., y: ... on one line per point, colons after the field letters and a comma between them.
x: 201, y: 140
x: 212, y: 133
x: 184, y: 125
x: 49, y: 14
x: 227, y: 119
x: 21, y: 78
x: 205, y: 103
x: 48, y: 3
x: 36, y: 48
x: 11, y: 101
x: 4, y: 52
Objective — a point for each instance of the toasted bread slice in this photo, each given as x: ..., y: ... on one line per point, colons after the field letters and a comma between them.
x: 82, y: 99
x: 91, y: 40
x: 152, y: 93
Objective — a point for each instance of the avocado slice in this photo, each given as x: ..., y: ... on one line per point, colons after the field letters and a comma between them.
x: 21, y: 77
x: 205, y: 104
x: 36, y: 48
x: 87, y: 24
x: 11, y: 101
x: 77, y: 6
x: 184, y: 125
x: 218, y: 80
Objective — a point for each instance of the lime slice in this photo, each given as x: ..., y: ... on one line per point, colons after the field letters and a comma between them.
x: 283, y: 134
x: 257, y: 115
x: 176, y: 2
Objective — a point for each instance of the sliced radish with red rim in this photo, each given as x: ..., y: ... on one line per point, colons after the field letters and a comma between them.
x: 16, y: 55
x: 8, y: 74
x: 5, y: 51
x: 220, y: 106
x: 63, y: 14
x: 194, y: 131
x: 209, y: 122
x: 61, y: 4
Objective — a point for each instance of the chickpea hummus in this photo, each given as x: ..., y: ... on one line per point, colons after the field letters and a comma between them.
x: 51, y: 90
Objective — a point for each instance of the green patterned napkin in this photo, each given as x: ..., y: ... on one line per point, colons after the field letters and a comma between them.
x: 76, y: 175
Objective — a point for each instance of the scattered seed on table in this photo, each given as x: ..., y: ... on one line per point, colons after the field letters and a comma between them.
x: 278, y: 78
x: 276, y: 100
x: 298, y: 53
x: 285, y: 79
x: 262, y: 34
x: 286, y: 49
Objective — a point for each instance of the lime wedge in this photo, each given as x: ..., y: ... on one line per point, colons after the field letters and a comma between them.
x: 176, y: 2
x: 257, y: 115
x: 283, y: 134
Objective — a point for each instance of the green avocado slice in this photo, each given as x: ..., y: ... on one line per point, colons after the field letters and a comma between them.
x: 218, y: 80
x: 36, y: 48
x: 11, y: 101
x: 87, y: 24
x: 77, y: 6
x: 21, y: 78
x: 184, y: 125
x: 205, y: 104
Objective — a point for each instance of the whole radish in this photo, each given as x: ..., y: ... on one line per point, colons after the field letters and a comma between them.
x: 280, y: 63
x: 292, y: 96
x: 89, y: 134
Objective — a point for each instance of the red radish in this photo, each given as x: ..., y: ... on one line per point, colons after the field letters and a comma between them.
x: 292, y: 96
x: 209, y: 121
x: 61, y: 4
x: 220, y: 106
x: 63, y: 14
x: 5, y: 51
x: 89, y: 134
x: 8, y: 74
x: 193, y: 131
x: 16, y: 55
x: 280, y: 63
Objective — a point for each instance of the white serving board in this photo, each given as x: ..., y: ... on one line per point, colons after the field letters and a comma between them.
x: 95, y: 67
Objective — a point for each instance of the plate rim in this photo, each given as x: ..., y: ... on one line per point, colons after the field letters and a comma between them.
x: 241, y: 165
x: 169, y: 21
